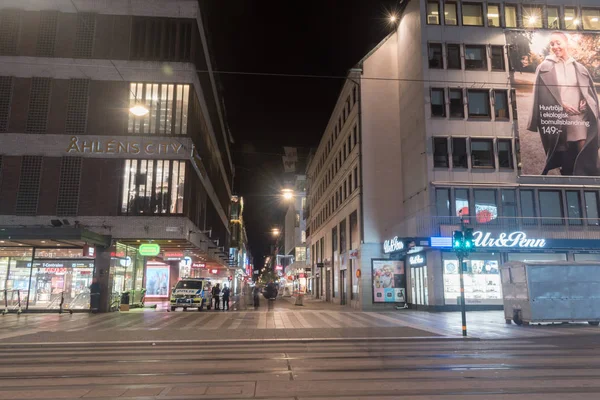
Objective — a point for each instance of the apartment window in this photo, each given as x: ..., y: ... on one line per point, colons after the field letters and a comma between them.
x: 501, y: 104
x: 153, y: 187
x: 435, y: 55
x: 498, y: 58
x: 442, y: 202
x: 509, y: 202
x: 356, y: 177
x: 527, y: 207
x: 6, y: 89
x: 354, y: 92
x: 553, y: 17
x: 343, y: 244
x: 472, y: 14
x: 355, y: 135
x: 461, y: 202
x: 350, y: 188
x: 161, y: 39
x: 459, y: 153
x: 513, y: 104
x: 457, y: 107
x: 77, y: 106
x: 571, y: 18
x: 345, y: 189
x: 591, y: 208
x: 349, y: 145
x: 590, y: 19
x: 29, y: 185
x: 493, y: 15
x: 574, y: 207
x: 510, y: 16
x: 84, y: 37
x: 479, y: 103
x: 475, y: 57
x: 450, y: 14
x: 482, y: 153
x: 168, y: 106
x: 551, y: 210
x: 438, y: 105
x: 297, y: 220
x: 39, y: 104
x: 433, y: 13
x: 505, y: 154
x: 440, y: 153
x: 68, y: 187
x: 453, y: 58
x: 486, y: 207
x: 47, y: 34
x: 532, y: 16
x: 337, y: 199
x: 10, y: 23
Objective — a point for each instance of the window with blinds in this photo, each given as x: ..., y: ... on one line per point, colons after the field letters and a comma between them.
x: 77, y: 106
x: 29, y: 185
x: 10, y: 24
x: 6, y: 89
x: 68, y: 188
x: 39, y: 104
x: 47, y: 34
x: 84, y: 37
x: 168, y: 106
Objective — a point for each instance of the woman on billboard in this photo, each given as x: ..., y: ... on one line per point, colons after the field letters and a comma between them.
x: 565, y: 112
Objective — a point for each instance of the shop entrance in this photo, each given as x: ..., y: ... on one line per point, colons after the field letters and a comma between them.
x: 418, y: 278
x: 343, y: 289
x: 328, y: 285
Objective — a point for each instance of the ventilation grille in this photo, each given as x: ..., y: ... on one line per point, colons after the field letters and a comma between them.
x: 10, y: 22
x: 6, y: 88
x: 47, y: 34
x: 29, y: 185
x: 68, y: 189
x: 84, y: 38
x: 39, y: 103
x: 77, y: 106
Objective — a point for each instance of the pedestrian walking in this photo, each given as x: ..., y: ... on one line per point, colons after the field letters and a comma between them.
x: 226, y: 293
x: 216, y: 291
x: 94, y: 296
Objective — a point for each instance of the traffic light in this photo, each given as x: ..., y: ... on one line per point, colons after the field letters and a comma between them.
x: 468, y: 239
x: 457, y: 241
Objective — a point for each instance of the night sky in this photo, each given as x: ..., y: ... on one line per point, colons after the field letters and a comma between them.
x: 265, y: 113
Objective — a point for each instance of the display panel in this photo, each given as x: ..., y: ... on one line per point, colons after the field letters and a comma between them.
x: 556, y: 99
x: 157, y: 281
x: 389, y: 281
x: 481, y: 279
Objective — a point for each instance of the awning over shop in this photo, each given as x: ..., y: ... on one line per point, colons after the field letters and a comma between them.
x: 50, y: 237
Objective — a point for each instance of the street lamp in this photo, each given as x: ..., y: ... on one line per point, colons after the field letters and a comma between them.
x: 287, y: 194
x: 139, y: 110
x: 275, y: 232
x: 393, y: 18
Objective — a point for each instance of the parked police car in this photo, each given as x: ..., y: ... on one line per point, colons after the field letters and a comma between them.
x: 190, y: 293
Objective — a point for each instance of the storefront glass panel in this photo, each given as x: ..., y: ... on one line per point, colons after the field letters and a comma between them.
x: 481, y: 279
x: 53, y: 280
x: 526, y: 257
x: 582, y: 257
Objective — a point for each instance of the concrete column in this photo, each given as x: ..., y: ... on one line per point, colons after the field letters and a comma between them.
x: 102, y: 273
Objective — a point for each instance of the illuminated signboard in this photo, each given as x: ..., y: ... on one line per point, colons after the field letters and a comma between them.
x: 149, y: 249
x: 514, y: 239
x: 198, y: 265
x: 392, y: 245
x: 416, y: 260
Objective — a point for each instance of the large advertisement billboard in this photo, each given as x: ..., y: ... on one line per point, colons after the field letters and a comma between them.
x: 389, y: 281
x: 555, y: 76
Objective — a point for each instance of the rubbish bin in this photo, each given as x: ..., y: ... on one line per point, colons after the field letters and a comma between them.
x: 124, y: 301
x: 299, y: 299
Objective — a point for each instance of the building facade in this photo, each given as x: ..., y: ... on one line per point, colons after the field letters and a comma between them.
x: 240, y: 259
x: 149, y: 191
x: 458, y: 129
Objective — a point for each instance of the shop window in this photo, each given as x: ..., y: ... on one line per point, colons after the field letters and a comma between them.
x: 479, y: 103
x: 486, y: 207
x: 442, y: 202
x: 453, y: 58
x: 482, y: 284
x: 472, y: 14
x: 84, y: 37
x: 435, y: 56
x: 475, y: 57
x: 510, y: 16
x: 433, y: 13
x: 39, y: 105
x: 532, y: 16
x: 440, y: 152
x: 528, y: 257
x: 482, y: 153
x: 505, y: 154
x: 590, y: 19
x: 450, y: 14
x: 46, y: 39
x: 501, y: 104
x: 551, y: 210
x: 528, y: 207
x: 552, y: 17
x: 29, y: 185
x: 574, y: 207
x: 10, y: 26
x: 493, y: 15
x: 153, y: 187
x: 509, y: 203
x: 591, y: 208
x: 498, y: 58
x: 457, y: 107
x: 571, y: 18
x: 168, y: 106
x: 461, y: 202
x: 459, y: 153
x: 6, y: 90
x: 438, y: 104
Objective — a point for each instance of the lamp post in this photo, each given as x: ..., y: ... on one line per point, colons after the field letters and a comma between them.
x: 462, y: 243
x: 287, y: 194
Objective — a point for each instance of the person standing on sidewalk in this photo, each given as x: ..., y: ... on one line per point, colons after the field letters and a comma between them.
x: 255, y: 293
x: 226, y: 293
x: 94, y: 295
x: 216, y: 291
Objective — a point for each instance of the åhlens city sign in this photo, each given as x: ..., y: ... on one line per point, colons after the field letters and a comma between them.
x: 391, y: 245
x: 514, y: 239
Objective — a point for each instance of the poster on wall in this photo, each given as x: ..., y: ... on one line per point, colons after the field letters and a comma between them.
x: 556, y: 76
x: 481, y: 280
x: 389, y: 281
x: 157, y: 281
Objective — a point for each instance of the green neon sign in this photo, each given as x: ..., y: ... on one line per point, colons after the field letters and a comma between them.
x: 149, y: 249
